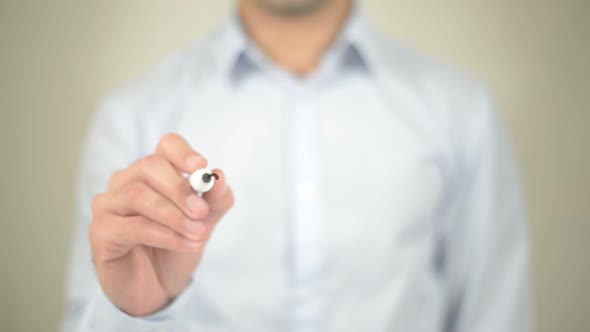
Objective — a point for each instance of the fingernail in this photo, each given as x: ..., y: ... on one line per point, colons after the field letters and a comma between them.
x: 195, y: 227
x: 195, y: 204
x: 191, y: 244
x: 192, y: 162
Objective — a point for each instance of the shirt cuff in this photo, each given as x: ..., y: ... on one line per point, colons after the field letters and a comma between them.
x: 103, y: 315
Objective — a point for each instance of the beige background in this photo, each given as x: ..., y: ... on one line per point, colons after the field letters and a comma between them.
x: 57, y: 58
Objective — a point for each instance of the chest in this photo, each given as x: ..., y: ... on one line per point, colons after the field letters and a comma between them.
x: 377, y: 172
x: 377, y: 178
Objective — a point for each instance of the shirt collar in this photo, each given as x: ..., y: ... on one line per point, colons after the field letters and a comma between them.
x: 238, y: 56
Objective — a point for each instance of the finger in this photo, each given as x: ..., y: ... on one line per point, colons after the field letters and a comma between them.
x: 127, y: 232
x: 160, y: 175
x: 140, y: 199
x: 180, y: 154
x: 220, y: 198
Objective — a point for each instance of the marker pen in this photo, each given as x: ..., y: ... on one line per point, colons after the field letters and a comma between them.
x: 202, y: 180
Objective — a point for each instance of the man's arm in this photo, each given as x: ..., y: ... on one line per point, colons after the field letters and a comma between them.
x: 114, y: 147
x: 111, y: 143
x: 486, y: 261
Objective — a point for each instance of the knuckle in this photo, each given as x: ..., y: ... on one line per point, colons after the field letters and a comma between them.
x: 131, y: 229
x: 114, y: 180
x: 150, y: 159
x: 135, y: 192
x: 97, y: 203
x: 147, y: 164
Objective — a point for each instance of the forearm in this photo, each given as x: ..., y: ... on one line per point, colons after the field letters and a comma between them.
x: 100, y: 314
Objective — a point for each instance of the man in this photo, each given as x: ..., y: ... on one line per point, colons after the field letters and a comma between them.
x: 371, y: 189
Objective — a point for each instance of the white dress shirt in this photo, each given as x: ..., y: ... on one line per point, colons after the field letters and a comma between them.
x: 378, y: 194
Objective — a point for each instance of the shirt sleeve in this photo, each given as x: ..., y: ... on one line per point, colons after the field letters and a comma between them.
x: 486, y: 247
x: 114, y: 141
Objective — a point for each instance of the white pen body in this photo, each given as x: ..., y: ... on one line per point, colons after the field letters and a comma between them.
x: 198, y: 183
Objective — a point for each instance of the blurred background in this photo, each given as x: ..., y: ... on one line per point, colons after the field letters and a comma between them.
x: 59, y: 58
